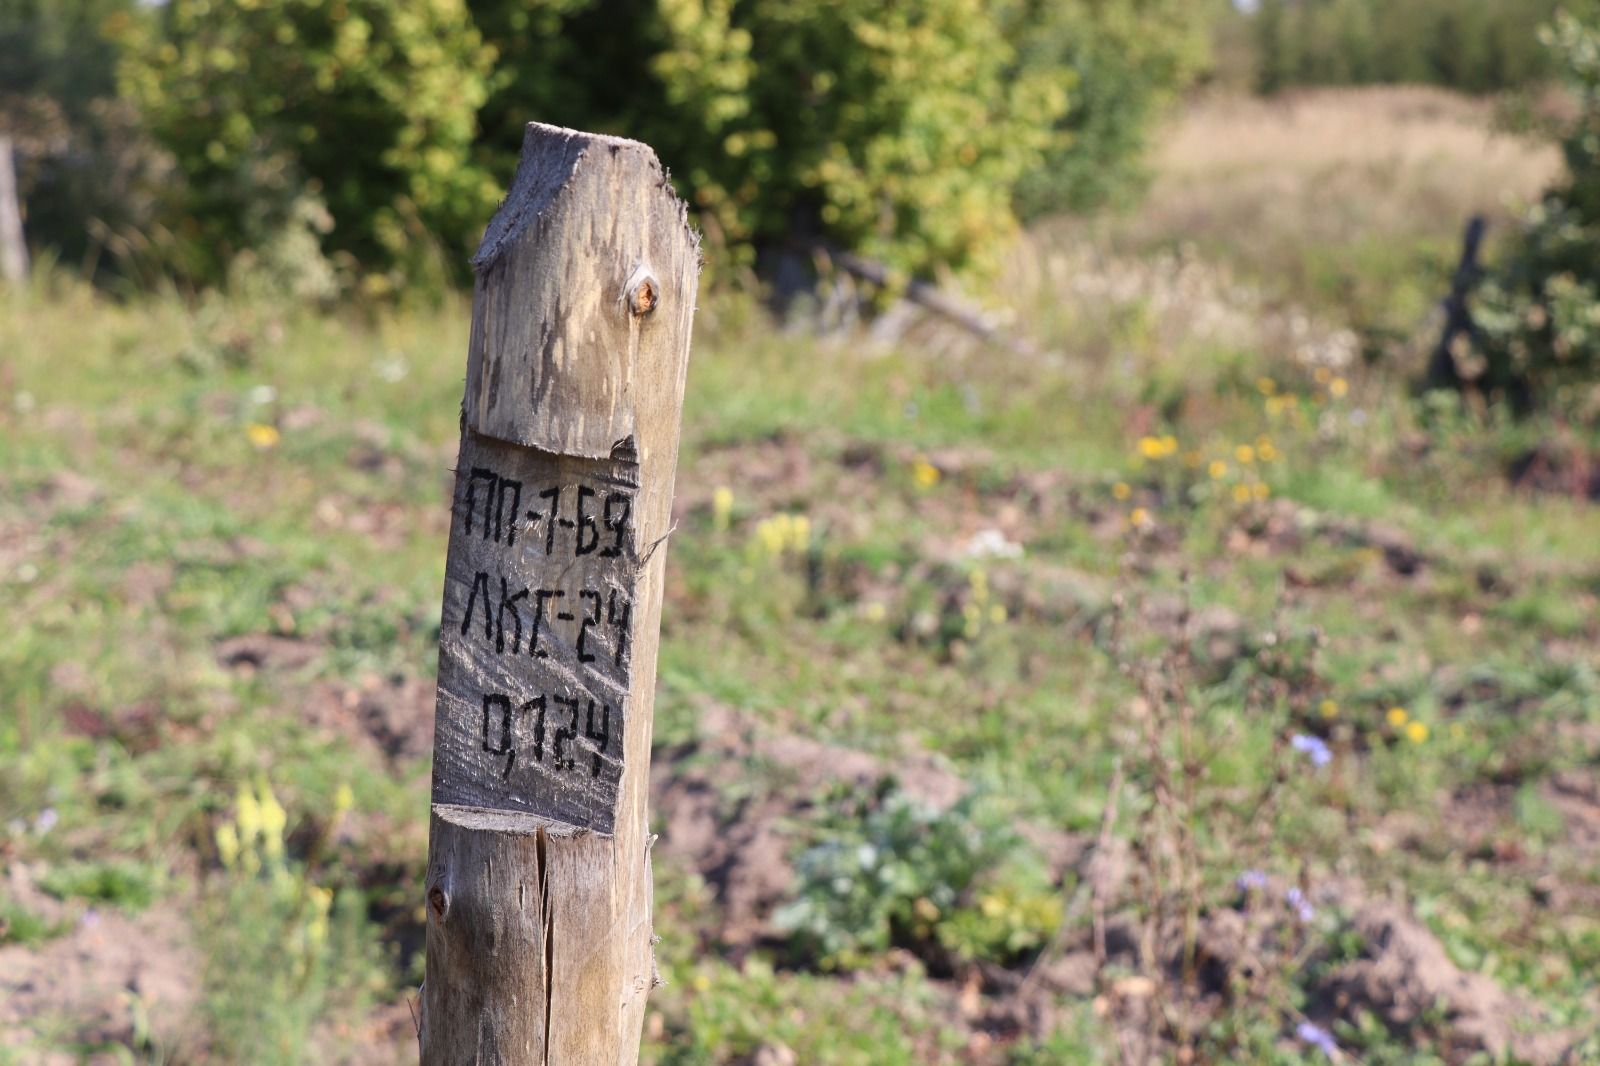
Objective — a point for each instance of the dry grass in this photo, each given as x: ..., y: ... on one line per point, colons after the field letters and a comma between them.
x: 1345, y: 202
x: 1268, y: 179
x: 1436, y: 138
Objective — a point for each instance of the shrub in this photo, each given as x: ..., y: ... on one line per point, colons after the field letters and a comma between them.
x: 893, y: 872
x: 1538, y: 312
x: 896, y: 130
x: 351, y: 120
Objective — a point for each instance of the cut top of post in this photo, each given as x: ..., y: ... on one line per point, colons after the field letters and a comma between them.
x: 584, y: 295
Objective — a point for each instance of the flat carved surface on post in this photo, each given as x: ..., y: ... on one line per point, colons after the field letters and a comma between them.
x: 534, y: 650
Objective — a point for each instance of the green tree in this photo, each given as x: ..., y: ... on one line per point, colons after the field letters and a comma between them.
x: 352, y: 120
x: 895, y: 130
x: 1120, y: 61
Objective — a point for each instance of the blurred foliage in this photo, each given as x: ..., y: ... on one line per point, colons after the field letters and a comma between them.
x: 85, y: 170
x: 1538, y: 313
x: 350, y: 120
x: 897, y: 131
x: 1123, y: 61
x: 304, y: 146
x: 1472, y: 45
x: 318, y: 143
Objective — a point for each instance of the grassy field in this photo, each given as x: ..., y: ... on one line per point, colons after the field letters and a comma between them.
x: 1189, y: 692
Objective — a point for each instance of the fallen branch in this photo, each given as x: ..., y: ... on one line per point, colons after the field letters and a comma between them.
x: 931, y: 297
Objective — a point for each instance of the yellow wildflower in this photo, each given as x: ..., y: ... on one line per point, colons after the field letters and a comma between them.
x: 248, y: 814
x: 923, y: 473
x: 1218, y: 469
x: 1265, y: 451
x: 273, y: 821
x: 1338, y: 387
x: 1322, y: 375
x: 228, y: 844
x: 1139, y: 518
x: 1169, y: 445
x: 1121, y: 490
x: 1260, y: 490
x: 1398, y: 717
x: 1150, y: 448
x: 1417, y: 732
x: 1328, y: 709
x: 1241, y: 494
x: 1245, y: 454
x: 262, y: 435
x: 783, y: 533
x: 997, y: 614
x: 721, y: 508
x: 1267, y: 386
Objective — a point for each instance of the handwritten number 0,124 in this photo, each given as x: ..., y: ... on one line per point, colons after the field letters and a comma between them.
x: 596, y: 726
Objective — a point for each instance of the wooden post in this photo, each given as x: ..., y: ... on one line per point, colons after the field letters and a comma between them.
x: 538, y: 891
x: 1442, y: 373
x: 13, y: 250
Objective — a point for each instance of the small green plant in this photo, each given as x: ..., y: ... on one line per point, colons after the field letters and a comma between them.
x: 122, y: 884
x: 18, y: 925
x: 894, y: 872
x: 274, y: 937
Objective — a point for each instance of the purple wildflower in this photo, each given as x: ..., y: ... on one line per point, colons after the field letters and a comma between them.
x: 1302, y: 906
x: 1317, y: 1037
x: 46, y: 821
x: 1315, y: 748
x: 1251, y: 881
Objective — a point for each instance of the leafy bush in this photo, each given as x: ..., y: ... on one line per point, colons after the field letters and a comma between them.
x: 347, y: 122
x: 356, y: 133
x: 319, y: 140
x: 897, y: 130
x: 1538, y: 312
x: 891, y: 871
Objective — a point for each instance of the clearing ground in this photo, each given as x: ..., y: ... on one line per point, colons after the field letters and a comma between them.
x: 927, y: 603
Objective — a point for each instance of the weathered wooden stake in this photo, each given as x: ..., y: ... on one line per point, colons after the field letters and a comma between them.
x: 13, y: 250
x: 538, y: 891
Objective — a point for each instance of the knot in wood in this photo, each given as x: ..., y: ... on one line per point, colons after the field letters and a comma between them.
x: 643, y: 293
x: 438, y: 902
